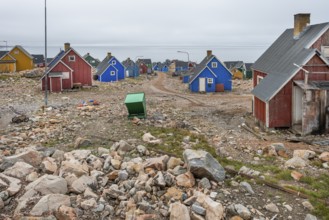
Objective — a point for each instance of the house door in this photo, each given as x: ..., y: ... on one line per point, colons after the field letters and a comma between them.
x: 127, y: 73
x: 297, y: 105
x: 202, y: 84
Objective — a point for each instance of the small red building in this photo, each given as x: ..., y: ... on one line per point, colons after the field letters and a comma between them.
x: 67, y: 70
x: 291, y: 79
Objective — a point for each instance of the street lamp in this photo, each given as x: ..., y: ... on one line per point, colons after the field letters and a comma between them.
x: 188, y: 55
x: 46, y: 65
x: 136, y: 64
x: 6, y: 43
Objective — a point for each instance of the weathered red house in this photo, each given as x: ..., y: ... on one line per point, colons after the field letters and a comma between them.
x: 291, y: 79
x: 144, y: 65
x: 67, y: 70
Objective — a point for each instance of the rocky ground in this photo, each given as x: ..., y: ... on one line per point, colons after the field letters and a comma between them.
x: 80, y: 158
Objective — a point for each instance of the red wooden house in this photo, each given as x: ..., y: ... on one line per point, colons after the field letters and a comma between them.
x: 291, y: 79
x: 67, y: 70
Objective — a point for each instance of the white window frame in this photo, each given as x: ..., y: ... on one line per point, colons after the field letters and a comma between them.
x: 325, y: 51
x: 210, y: 80
x: 114, y: 62
x: 65, y: 75
x: 16, y: 51
x: 72, y: 58
x: 112, y: 73
x: 214, y: 64
x: 259, y: 78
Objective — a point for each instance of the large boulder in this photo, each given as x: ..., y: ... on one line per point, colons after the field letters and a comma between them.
x: 179, y: 211
x: 74, y: 167
x: 13, y: 185
x: 32, y: 157
x: 202, y: 164
x: 50, y: 203
x: 48, y: 184
x: 19, y: 170
x: 81, y: 184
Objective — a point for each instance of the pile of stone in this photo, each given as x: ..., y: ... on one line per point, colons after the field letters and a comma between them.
x: 123, y: 182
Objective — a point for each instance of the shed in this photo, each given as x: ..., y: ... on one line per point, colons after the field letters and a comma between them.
x: 279, y: 99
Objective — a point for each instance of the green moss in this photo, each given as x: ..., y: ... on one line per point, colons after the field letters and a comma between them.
x: 284, y: 175
x: 320, y: 209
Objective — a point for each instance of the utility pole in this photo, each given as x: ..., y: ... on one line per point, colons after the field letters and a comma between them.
x: 46, y: 65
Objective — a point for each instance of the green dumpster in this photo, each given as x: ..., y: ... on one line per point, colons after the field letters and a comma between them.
x: 136, y: 105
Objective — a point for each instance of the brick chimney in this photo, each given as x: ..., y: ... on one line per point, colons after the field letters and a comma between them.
x: 209, y: 53
x: 301, y: 21
x: 67, y: 46
x: 109, y: 55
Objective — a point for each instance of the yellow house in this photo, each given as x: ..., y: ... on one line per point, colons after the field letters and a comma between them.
x: 7, y: 62
x: 24, y: 60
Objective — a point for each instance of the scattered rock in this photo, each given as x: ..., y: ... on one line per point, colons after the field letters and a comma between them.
x: 310, y: 217
x: 148, y: 138
x: 304, y: 154
x: 202, y: 164
x: 82, y: 142
x: 272, y: 208
x: 179, y: 211
x: 296, y: 175
x: 185, y: 180
x: 50, y: 203
x: 48, y: 184
x: 247, y: 187
x: 324, y: 157
x: 308, y: 205
x: 66, y: 213
x: 19, y: 170
x: 296, y: 162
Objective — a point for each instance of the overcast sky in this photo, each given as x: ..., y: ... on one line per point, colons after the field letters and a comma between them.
x: 234, y: 23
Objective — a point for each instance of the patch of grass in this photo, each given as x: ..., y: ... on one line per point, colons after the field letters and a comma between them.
x: 315, y: 187
x: 6, y: 77
x: 284, y: 175
x: 320, y: 209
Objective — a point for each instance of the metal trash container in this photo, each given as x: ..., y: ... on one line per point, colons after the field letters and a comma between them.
x: 136, y: 105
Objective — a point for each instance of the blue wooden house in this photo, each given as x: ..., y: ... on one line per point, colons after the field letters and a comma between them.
x: 131, y: 68
x: 163, y: 67
x: 157, y: 66
x: 187, y: 75
x: 110, y: 70
x: 210, y: 76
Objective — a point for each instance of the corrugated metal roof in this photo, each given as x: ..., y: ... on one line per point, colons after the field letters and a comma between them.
x: 2, y: 53
x: 180, y: 63
x: 103, y: 65
x: 38, y: 58
x: 56, y: 59
x: 278, y: 60
x: 128, y: 63
x: 200, y: 67
x: 145, y: 61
